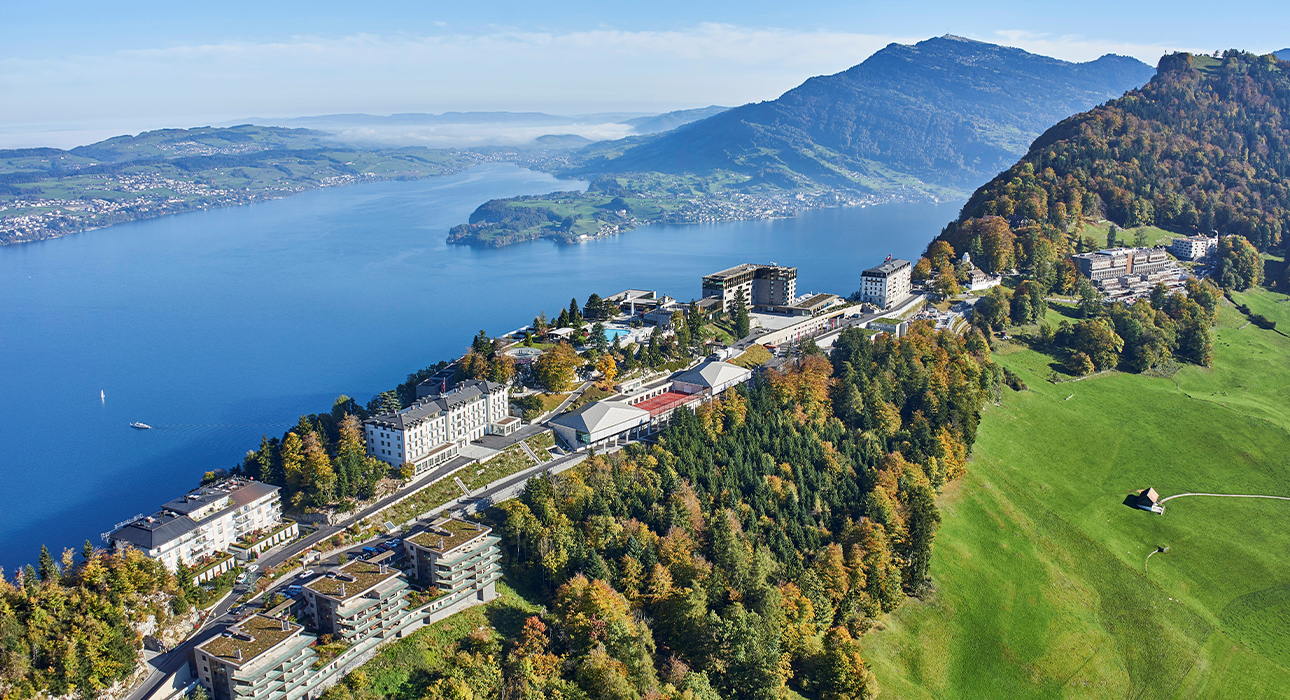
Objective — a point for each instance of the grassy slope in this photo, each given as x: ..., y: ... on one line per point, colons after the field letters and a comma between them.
x: 399, y: 667
x: 1040, y: 567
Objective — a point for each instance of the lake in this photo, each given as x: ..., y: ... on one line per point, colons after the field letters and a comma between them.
x: 219, y: 326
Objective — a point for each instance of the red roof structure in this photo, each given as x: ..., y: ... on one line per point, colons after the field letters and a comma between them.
x: 666, y: 402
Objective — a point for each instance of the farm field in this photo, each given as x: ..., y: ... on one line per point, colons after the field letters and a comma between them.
x: 1043, y: 588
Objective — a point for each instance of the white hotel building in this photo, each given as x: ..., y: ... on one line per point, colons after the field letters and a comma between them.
x: 886, y: 285
x: 432, y: 430
x: 206, y: 521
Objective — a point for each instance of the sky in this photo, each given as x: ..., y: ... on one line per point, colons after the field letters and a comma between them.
x: 75, y: 71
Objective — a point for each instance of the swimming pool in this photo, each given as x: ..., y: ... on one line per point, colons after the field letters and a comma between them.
x: 612, y: 333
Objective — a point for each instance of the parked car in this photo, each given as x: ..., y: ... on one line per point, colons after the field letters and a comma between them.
x: 369, y: 550
x: 294, y: 589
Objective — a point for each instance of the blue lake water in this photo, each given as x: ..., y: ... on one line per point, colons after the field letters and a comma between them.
x: 220, y: 326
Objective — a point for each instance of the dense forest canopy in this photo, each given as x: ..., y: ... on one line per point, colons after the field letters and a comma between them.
x: 744, y: 552
x: 1203, y: 147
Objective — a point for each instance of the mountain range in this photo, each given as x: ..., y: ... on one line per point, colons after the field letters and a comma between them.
x: 475, y: 129
x: 947, y: 113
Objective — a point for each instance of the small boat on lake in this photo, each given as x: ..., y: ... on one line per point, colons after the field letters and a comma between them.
x: 141, y: 426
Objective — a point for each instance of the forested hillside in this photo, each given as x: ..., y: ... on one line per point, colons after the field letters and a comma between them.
x: 1203, y: 147
x: 745, y: 552
x: 947, y: 111
x: 68, y: 628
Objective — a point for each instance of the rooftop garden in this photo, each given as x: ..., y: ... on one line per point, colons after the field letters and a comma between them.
x: 363, y: 575
x: 252, y: 637
x: 448, y: 535
x: 255, y: 537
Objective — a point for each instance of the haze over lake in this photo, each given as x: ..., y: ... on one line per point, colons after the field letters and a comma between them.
x: 220, y: 326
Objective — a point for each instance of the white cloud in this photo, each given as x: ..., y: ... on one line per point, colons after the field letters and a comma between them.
x: 571, y: 72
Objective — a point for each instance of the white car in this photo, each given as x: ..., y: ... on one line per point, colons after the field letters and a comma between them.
x: 309, y: 573
x: 241, y: 578
x: 252, y: 568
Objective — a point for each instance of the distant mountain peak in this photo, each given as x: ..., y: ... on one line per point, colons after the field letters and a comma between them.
x: 947, y: 111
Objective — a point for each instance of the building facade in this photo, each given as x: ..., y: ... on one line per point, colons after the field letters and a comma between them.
x: 432, y: 430
x: 752, y: 285
x: 1112, y: 263
x: 259, y: 658
x: 887, y: 284
x: 460, y: 559
x: 359, y: 603
x: 1193, y: 247
x: 207, y: 521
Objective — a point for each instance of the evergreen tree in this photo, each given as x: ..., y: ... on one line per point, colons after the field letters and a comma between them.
x: 48, y: 567
x: 741, y: 321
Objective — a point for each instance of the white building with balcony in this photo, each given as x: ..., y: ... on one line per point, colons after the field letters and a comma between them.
x: 432, y: 430
x: 206, y: 521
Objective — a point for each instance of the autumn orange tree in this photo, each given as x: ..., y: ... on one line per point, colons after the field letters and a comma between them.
x: 749, y: 547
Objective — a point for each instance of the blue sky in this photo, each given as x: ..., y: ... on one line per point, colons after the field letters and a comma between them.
x: 73, y: 70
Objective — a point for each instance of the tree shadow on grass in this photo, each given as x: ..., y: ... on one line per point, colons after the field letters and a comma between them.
x: 1071, y: 312
x: 508, y: 620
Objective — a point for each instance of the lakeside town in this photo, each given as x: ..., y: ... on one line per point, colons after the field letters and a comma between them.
x: 300, y: 599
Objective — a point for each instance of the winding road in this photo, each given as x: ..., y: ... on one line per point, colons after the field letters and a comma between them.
x: 1225, y: 495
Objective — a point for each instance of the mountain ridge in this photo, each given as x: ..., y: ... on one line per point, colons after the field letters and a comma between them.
x: 947, y: 111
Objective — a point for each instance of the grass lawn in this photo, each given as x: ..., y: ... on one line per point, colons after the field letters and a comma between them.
x: 1127, y: 236
x: 1039, y: 567
x: 400, y: 668
x: 550, y: 401
x: 593, y: 393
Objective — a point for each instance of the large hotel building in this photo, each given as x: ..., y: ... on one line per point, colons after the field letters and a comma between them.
x: 886, y: 285
x: 753, y: 285
x: 432, y: 430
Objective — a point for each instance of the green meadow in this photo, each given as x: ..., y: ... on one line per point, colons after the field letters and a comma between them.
x: 1043, y: 587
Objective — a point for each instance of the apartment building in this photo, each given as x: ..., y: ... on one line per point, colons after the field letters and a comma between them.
x: 207, y: 521
x: 1193, y: 247
x: 259, y: 658
x: 460, y: 559
x: 361, y: 604
x: 432, y: 430
x: 887, y: 284
x: 752, y: 285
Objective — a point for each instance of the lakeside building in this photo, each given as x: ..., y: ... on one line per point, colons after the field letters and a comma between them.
x: 887, y: 284
x: 755, y: 286
x: 1193, y: 247
x: 461, y: 560
x: 807, y: 305
x: 432, y: 430
x: 600, y: 423
x: 208, y: 521
x: 259, y: 658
